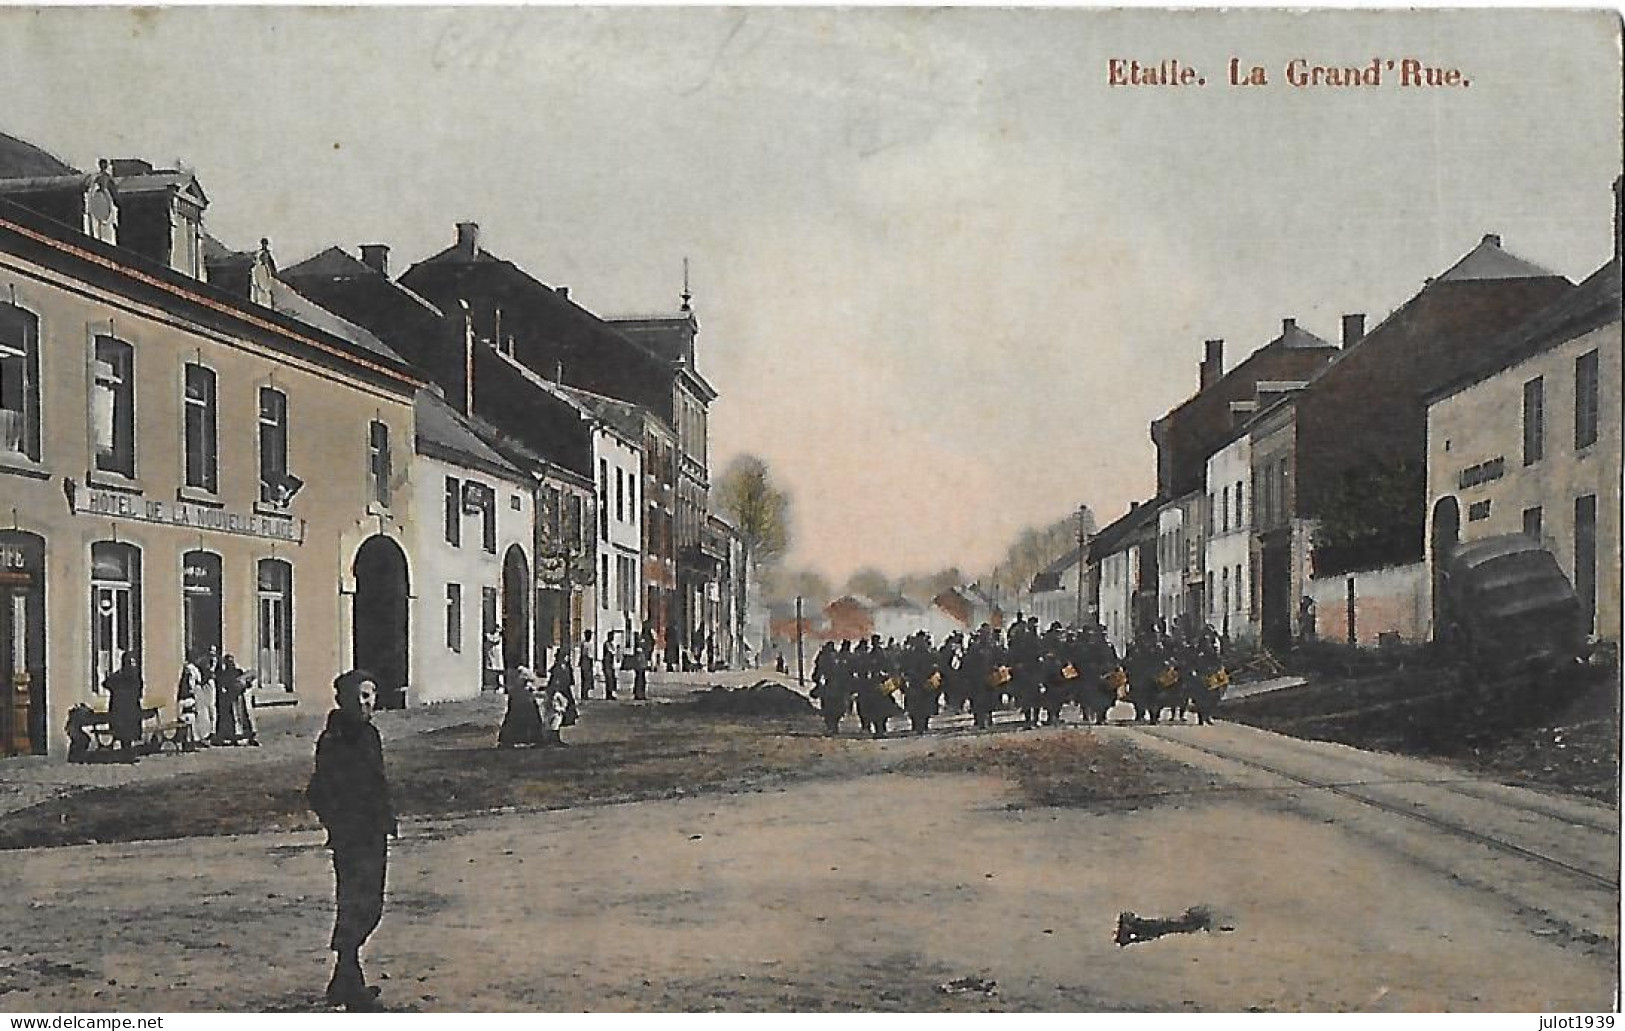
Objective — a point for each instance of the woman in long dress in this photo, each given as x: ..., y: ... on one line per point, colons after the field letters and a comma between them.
x: 522, y: 723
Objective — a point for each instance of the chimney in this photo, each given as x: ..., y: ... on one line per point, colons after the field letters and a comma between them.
x: 1212, y: 366
x: 1353, y: 329
x: 468, y: 238
x: 1619, y: 216
x: 1288, y: 325
x: 376, y: 257
x: 467, y: 398
x: 563, y: 291
x: 1493, y: 239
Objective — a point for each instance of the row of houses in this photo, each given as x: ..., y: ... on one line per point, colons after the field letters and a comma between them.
x: 434, y: 475
x: 856, y: 617
x: 1308, y: 491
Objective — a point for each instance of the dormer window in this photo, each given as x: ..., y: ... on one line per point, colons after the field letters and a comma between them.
x: 186, y: 240
x: 101, y: 207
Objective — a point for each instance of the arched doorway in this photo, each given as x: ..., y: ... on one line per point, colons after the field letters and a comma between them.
x: 515, y: 608
x: 379, y: 628
x: 1446, y: 535
x: 22, y: 643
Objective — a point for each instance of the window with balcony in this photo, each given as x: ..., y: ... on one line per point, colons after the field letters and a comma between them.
x: 276, y: 486
x: 19, y: 382
x: 202, y: 423
x: 112, y: 402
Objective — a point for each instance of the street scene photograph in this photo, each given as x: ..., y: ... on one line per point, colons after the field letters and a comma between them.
x: 782, y: 510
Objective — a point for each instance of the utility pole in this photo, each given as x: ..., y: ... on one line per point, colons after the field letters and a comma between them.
x: 801, y: 658
x: 1083, y: 540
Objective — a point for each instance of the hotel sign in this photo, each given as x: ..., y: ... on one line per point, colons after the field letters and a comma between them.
x: 184, y: 514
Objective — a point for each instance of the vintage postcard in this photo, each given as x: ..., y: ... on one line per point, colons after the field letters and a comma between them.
x: 809, y: 509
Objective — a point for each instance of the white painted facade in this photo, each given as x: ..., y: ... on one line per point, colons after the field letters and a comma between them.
x: 1119, y: 572
x: 458, y: 589
x: 618, y: 461
x: 1229, y: 565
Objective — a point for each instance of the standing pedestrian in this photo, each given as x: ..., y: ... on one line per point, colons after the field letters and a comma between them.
x: 188, y: 692
x: 123, y: 687
x: 640, y: 670
x: 350, y: 795
x: 610, y: 662
x: 584, y: 660
x: 238, y: 682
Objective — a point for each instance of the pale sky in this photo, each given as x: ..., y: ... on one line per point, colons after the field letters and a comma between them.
x: 945, y: 273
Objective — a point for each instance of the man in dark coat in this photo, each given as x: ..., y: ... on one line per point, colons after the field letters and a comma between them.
x: 829, y: 687
x: 350, y: 794
x: 123, y: 689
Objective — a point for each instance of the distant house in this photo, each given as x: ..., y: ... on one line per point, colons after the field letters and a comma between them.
x: 849, y: 618
x: 1123, y: 566
x: 1055, y: 592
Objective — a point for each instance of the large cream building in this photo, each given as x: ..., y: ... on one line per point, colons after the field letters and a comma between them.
x: 183, y: 466
x: 1533, y: 447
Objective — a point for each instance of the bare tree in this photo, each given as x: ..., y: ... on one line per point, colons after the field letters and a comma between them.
x: 758, y: 508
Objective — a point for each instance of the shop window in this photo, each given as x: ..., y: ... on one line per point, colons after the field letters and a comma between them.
x: 378, y: 463
x: 202, y: 423
x: 113, y: 406
x: 19, y: 382
x: 200, y: 602
x: 115, y: 608
x: 275, y: 644
x: 276, y: 486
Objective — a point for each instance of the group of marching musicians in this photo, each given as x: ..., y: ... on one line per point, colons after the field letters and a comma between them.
x: 1038, y: 672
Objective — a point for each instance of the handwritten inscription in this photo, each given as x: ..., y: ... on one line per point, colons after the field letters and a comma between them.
x: 1298, y: 73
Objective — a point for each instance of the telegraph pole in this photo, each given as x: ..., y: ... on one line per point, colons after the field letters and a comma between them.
x: 1083, y: 539
x: 801, y: 659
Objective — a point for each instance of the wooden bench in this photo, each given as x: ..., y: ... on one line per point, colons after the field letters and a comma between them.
x: 156, y: 730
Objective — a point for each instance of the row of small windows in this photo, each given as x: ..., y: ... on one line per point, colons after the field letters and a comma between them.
x: 112, y: 416
x: 116, y: 611
x: 626, y: 497
x: 1585, y: 409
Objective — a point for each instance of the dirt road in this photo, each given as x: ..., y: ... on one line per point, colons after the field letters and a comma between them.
x: 857, y: 893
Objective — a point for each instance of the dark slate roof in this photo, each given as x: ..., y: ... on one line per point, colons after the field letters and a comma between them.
x: 1049, y: 578
x: 1109, y: 539
x: 289, y: 301
x: 626, y: 418
x: 20, y: 159
x: 443, y: 433
x: 333, y: 263
x: 338, y: 265
x: 1591, y: 305
x: 1489, y: 261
